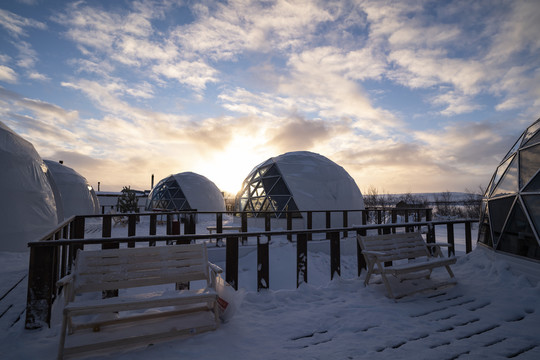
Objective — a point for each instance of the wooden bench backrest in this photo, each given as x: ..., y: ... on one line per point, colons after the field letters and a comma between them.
x: 396, y: 246
x: 135, y: 267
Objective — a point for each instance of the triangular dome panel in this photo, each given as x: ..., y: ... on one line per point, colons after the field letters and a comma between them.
x: 529, y: 162
x: 509, y: 181
x: 534, y: 184
x: 534, y: 140
x: 514, y: 148
x: 484, y: 230
x: 518, y: 237
x: 498, y: 211
x: 531, y: 132
x: 532, y: 204
x: 499, y: 173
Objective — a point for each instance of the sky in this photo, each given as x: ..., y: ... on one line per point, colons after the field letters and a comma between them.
x: 408, y: 96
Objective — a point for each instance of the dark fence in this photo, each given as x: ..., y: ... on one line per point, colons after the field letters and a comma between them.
x: 53, y: 256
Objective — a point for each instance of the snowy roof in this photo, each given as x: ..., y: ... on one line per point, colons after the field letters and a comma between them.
x: 77, y: 196
x: 28, y: 207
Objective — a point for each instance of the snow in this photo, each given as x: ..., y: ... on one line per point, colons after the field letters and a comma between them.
x: 493, y: 312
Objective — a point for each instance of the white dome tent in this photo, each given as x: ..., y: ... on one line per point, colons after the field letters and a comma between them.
x: 186, y: 191
x: 76, y: 194
x: 28, y: 208
x: 301, y: 181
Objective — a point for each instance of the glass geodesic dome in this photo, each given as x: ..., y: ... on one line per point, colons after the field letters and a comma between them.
x: 510, y: 218
x: 298, y: 181
x: 186, y: 191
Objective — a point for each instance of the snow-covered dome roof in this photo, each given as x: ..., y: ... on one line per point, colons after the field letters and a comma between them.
x: 28, y: 207
x: 77, y: 196
x: 299, y: 181
x: 510, y: 219
x: 186, y: 191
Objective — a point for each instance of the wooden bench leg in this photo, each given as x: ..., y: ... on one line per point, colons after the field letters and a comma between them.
x: 62, y: 338
x: 450, y: 272
x: 387, y: 285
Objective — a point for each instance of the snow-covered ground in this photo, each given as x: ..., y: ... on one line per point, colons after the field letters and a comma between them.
x: 493, y: 312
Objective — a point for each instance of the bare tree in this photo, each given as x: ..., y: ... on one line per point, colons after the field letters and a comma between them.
x: 445, y: 204
x: 473, y: 203
x: 371, y: 197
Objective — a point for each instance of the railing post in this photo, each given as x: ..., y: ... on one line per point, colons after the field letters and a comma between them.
x: 41, y: 285
x: 263, y: 278
x: 328, y: 223
x: 244, y: 225
x: 219, y: 227
x: 385, y: 230
x: 468, y: 237
x: 132, y: 225
x: 190, y: 227
x: 231, y: 261
x: 363, y: 232
x: 106, y: 233
x: 268, y: 225
x: 335, y: 255
x: 76, y: 232
x: 288, y: 215
x: 429, y: 215
x: 310, y: 224
x: 394, y: 219
x: 379, y: 221
x: 301, y: 259
x: 450, y: 237
x: 430, y: 237
x: 359, y: 256
x: 345, y: 222
x: 153, y: 226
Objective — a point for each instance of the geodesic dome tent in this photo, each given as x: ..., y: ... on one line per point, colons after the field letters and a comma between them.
x: 76, y: 194
x: 28, y: 208
x: 510, y: 219
x: 299, y: 181
x: 186, y: 191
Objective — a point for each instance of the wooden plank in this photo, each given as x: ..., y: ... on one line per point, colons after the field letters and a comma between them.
x: 185, y: 297
x: 139, y: 282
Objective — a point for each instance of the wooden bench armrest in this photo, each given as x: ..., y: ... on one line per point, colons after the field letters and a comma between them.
x: 65, y: 280
x: 215, y: 268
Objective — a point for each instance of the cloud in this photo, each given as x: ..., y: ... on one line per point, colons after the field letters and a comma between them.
x: 298, y: 133
x: 46, y: 112
x: 456, y: 103
x: 16, y: 25
x: 222, y: 32
x: 425, y: 68
x: 7, y: 74
x: 34, y: 75
x: 194, y: 74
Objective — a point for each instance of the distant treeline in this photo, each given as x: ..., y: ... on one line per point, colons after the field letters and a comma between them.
x: 444, y: 204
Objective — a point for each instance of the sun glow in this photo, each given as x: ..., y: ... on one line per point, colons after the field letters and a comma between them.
x: 228, y: 168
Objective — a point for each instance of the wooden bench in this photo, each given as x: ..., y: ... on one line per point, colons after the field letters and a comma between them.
x: 405, y: 256
x: 224, y: 228
x: 144, y: 314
